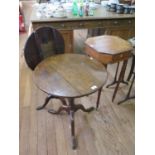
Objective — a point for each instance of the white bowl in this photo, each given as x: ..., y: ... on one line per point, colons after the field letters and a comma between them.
x: 104, y: 3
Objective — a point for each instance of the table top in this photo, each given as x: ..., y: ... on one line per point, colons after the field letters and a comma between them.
x: 99, y: 13
x: 108, y: 44
x: 70, y: 75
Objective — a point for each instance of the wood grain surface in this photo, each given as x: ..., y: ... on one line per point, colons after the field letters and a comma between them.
x: 70, y: 75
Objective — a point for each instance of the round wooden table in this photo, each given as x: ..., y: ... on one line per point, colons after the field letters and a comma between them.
x: 70, y: 76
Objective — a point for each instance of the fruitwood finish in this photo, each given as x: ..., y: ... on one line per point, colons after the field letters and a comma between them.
x: 114, y: 24
x: 110, y: 49
x: 70, y: 76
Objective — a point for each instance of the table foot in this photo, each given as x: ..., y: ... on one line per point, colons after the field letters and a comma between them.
x: 81, y: 107
x: 47, y: 101
x: 114, y: 82
x: 74, y: 143
x: 126, y: 99
x: 61, y: 108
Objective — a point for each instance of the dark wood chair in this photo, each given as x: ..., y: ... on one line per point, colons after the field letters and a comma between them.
x: 43, y: 43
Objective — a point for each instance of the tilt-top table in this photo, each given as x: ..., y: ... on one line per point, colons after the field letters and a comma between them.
x: 70, y: 76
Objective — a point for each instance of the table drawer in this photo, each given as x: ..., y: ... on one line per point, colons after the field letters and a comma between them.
x: 78, y: 25
x: 82, y: 24
x: 122, y: 22
x: 120, y: 57
x: 62, y: 26
x: 71, y: 25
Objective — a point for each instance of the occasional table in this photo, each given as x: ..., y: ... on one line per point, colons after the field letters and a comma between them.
x: 109, y: 49
x: 70, y: 76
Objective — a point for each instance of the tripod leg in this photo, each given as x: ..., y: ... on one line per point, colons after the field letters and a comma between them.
x: 45, y: 103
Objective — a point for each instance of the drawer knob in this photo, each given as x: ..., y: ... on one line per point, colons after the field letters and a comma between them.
x: 62, y: 25
x: 115, y: 22
x: 129, y: 21
x: 81, y: 24
x: 121, y: 56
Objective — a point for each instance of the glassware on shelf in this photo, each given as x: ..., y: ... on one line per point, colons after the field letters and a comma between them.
x: 75, y: 8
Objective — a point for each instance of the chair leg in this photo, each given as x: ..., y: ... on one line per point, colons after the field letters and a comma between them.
x: 121, y: 76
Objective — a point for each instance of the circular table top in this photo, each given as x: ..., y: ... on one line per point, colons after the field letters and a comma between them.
x: 69, y: 75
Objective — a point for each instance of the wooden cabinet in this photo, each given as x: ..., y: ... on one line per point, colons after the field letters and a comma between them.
x: 122, y: 28
x: 122, y: 32
x: 122, y: 25
x: 68, y: 38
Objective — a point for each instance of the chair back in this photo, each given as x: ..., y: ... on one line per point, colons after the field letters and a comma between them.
x: 43, y: 43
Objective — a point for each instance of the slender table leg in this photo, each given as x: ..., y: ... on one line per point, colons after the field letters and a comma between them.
x: 132, y: 68
x: 71, y: 103
x: 115, y: 78
x: 121, y: 76
x: 98, y: 98
x: 128, y: 94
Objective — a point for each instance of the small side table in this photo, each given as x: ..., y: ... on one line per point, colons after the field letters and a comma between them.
x: 70, y: 76
x: 109, y: 49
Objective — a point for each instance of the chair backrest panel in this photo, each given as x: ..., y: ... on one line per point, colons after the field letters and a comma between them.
x: 42, y: 43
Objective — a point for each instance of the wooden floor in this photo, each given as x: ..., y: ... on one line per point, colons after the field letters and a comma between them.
x: 108, y: 131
